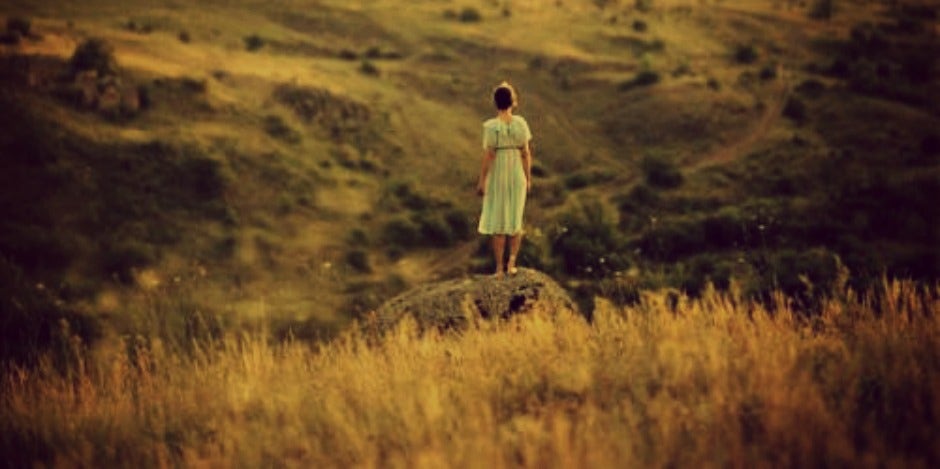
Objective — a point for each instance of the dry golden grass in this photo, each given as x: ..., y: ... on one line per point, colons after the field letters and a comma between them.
x: 715, y: 382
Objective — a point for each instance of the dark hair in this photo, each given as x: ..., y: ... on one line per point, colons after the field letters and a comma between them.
x: 504, y: 97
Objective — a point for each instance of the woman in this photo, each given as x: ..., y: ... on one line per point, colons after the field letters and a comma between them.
x: 505, y: 177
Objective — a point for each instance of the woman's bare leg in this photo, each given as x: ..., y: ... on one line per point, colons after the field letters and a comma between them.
x: 515, y: 242
x: 499, y: 248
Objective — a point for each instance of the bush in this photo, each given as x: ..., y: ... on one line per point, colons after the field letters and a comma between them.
x: 795, y: 110
x: 276, y: 127
x: 253, y: 42
x: 713, y: 84
x: 811, y: 88
x: 659, y: 172
x: 11, y: 38
x: 589, y: 244
x: 644, y: 78
x: 822, y: 9
x: 745, y: 54
x: 768, y: 72
x: 19, y: 24
x: 640, y: 26
x: 401, y: 232
x: 94, y: 54
x: 184, y: 37
x: 369, y: 68
x: 644, y: 6
x: 470, y: 15
x: 358, y: 260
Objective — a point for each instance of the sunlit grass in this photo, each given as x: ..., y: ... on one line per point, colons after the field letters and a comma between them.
x: 717, y: 382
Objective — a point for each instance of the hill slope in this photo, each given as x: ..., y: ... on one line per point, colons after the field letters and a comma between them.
x: 306, y: 160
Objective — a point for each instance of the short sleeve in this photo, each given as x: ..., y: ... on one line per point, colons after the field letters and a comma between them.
x: 527, y: 133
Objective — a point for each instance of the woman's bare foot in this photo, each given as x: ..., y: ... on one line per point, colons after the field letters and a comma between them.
x: 511, y: 269
x: 498, y: 275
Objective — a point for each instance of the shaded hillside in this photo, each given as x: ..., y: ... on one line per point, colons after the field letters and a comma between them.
x: 307, y: 173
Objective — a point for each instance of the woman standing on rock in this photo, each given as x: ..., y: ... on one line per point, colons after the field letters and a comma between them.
x: 505, y: 177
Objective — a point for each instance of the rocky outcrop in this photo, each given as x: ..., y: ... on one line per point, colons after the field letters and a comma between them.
x: 453, y: 303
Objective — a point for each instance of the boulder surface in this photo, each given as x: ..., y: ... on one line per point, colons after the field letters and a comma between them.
x: 452, y: 303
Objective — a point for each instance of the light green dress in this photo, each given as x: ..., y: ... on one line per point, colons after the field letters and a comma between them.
x: 504, y: 196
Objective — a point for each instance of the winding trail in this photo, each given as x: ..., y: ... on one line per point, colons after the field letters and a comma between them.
x: 770, y: 116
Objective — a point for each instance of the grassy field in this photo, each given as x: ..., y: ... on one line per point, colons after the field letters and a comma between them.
x: 170, y: 279
x: 712, y: 382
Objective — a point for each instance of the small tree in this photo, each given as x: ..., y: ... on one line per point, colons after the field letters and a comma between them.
x: 19, y: 24
x: 822, y: 9
x: 94, y: 54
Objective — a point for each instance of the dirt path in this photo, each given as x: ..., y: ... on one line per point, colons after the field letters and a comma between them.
x: 772, y: 112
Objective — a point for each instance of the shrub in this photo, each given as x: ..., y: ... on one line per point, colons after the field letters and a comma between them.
x: 577, y: 180
x: 768, y: 72
x: 811, y: 88
x: 459, y: 224
x: 11, y: 38
x: 358, y: 260
x: 795, y: 110
x: 433, y: 230
x: 369, y: 68
x: 253, y: 42
x: 822, y: 9
x: 347, y: 54
x: 659, y: 172
x: 373, y: 52
x: 470, y: 15
x: 589, y: 244
x: 644, y: 6
x: 640, y: 26
x: 184, y: 37
x: 745, y: 54
x: 644, y: 78
x: 401, y: 232
x: 713, y: 84
x: 276, y: 127
x: 19, y: 24
x: 94, y: 54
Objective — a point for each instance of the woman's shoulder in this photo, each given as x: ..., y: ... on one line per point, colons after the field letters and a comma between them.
x: 490, y: 123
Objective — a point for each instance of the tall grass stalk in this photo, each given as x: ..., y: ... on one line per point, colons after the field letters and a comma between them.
x: 716, y: 381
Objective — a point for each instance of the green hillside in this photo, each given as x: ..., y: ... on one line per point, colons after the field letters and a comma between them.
x: 296, y: 163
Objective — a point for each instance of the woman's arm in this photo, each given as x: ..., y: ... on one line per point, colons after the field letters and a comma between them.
x: 488, y: 156
x: 527, y: 165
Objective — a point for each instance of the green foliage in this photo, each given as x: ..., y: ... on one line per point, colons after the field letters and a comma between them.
x: 358, y: 259
x: 768, y: 72
x: 660, y: 172
x: 644, y: 78
x: 811, y: 88
x: 822, y: 9
x: 19, y: 24
x: 94, y: 54
x: 644, y: 6
x: 470, y: 15
x: 33, y: 321
x: 878, y: 63
x: 275, y: 126
x: 588, y: 243
x: 745, y: 54
x: 253, y: 42
x: 369, y: 68
x: 795, y: 110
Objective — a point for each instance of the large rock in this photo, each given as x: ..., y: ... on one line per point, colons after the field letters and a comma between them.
x: 452, y: 303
